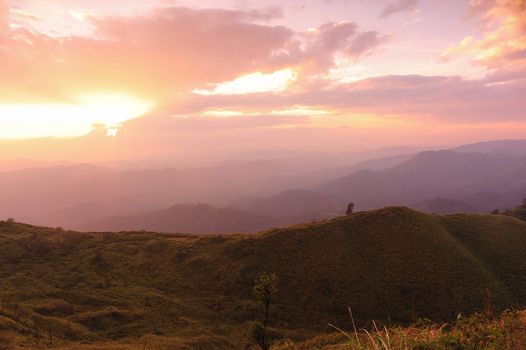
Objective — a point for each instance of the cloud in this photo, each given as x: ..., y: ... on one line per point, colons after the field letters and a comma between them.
x: 417, y: 98
x: 502, y: 47
x: 364, y: 43
x: 167, y: 52
x: 159, y: 54
x: 189, y: 47
x: 331, y: 39
x: 4, y: 18
x: 377, y: 111
x: 399, y: 6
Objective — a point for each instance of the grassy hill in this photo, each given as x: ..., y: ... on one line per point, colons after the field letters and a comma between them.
x: 390, y: 265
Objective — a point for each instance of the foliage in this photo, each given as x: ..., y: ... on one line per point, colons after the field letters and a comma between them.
x: 264, y: 288
x: 519, y: 212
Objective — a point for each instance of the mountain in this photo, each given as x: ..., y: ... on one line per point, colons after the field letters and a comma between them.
x: 295, y: 206
x: 434, y: 174
x: 20, y: 164
x: 245, y: 216
x: 381, y: 163
x: 392, y: 265
x: 448, y: 206
x: 187, y: 218
x: 434, y: 181
x: 84, y: 193
x: 114, y: 191
x: 517, y: 147
x: 77, y: 216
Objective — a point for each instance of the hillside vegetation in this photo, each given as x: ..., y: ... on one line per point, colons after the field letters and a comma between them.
x: 393, y: 265
x: 519, y: 212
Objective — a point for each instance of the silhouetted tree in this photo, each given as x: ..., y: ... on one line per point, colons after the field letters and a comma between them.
x: 264, y: 287
x: 350, y: 208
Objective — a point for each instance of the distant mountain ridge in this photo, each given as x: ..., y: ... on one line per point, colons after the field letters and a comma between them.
x: 517, y: 147
x: 186, y: 218
x: 295, y: 205
x: 428, y: 175
x: 433, y: 181
x: 284, y: 190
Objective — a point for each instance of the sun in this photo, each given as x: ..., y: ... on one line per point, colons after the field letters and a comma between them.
x: 19, y: 121
x: 113, y: 109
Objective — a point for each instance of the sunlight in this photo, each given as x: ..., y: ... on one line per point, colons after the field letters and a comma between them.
x: 253, y: 83
x: 113, y: 109
x: 293, y: 111
x: 19, y: 121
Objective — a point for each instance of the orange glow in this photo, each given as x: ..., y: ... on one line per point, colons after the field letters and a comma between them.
x: 66, y: 120
x: 253, y: 83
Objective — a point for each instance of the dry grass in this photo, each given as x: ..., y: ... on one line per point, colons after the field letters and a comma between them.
x: 481, y: 331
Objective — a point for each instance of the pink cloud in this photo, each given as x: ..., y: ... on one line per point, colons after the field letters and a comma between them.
x: 4, y: 19
x: 399, y: 6
x: 169, y: 51
x: 160, y: 54
x: 418, y: 98
x: 330, y: 39
x: 502, y: 46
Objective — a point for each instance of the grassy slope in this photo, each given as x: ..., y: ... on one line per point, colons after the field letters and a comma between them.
x: 393, y: 263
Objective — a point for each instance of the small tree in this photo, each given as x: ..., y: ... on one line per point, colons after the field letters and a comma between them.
x: 350, y: 209
x: 264, y: 287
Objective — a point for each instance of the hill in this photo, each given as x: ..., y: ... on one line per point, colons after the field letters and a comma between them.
x: 188, y: 218
x: 391, y: 264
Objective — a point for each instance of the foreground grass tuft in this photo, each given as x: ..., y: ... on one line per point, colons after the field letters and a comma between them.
x: 480, y: 331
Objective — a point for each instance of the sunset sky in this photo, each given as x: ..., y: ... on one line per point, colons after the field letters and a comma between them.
x: 293, y: 73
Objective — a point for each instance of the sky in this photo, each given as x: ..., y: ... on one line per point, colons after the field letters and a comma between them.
x: 239, y: 75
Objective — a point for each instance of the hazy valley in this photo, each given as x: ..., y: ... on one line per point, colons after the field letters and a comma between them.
x: 248, y: 196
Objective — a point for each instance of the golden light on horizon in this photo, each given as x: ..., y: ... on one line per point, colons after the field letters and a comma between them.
x: 21, y: 121
x: 253, y: 83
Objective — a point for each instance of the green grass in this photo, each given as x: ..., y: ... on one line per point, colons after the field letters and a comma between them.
x: 393, y: 265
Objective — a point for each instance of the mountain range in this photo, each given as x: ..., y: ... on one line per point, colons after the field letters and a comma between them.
x: 264, y: 193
